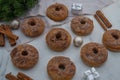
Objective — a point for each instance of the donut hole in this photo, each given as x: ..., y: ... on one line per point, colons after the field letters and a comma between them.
x: 115, y: 36
x: 58, y: 36
x: 32, y: 23
x: 57, y: 9
x: 82, y: 22
x: 95, y: 51
x: 24, y: 53
x: 61, y: 67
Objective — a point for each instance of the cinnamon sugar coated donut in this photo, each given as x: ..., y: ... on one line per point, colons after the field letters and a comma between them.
x: 32, y: 26
x: 61, y: 68
x: 24, y: 56
x: 93, y: 54
x: 57, y: 12
x: 111, y: 40
x: 58, y: 39
x: 82, y: 25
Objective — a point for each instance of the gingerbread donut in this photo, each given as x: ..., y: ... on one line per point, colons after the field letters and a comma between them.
x: 61, y: 68
x: 57, y: 12
x: 93, y: 54
x: 58, y: 39
x: 24, y: 56
x: 111, y: 40
x: 32, y: 26
x: 82, y: 25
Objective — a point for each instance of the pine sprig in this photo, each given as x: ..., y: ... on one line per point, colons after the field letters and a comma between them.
x: 10, y: 9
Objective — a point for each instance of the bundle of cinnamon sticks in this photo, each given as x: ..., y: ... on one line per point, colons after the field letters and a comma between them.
x: 20, y: 76
x: 102, y: 20
x: 5, y: 31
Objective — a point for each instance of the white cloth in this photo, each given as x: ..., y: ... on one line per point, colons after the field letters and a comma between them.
x: 89, y: 7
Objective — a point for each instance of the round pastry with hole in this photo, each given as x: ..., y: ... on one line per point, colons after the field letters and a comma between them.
x: 24, y: 56
x: 57, y: 12
x: 111, y: 40
x: 58, y: 39
x: 93, y: 54
x: 61, y: 68
x: 82, y: 25
x: 32, y: 26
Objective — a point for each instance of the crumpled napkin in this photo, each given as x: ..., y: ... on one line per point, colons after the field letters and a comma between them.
x: 89, y: 7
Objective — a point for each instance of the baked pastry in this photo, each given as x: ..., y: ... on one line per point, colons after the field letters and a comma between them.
x: 93, y: 54
x: 58, y: 39
x: 57, y: 12
x: 32, y: 26
x: 111, y: 40
x: 82, y: 25
x: 61, y: 68
x: 24, y: 56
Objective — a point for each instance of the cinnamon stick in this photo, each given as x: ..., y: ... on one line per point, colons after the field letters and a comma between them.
x: 2, y: 39
x: 9, y: 76
x: 8, y: 34
x: 100, y: 22
x: 11, y: 41
x: 104, y: 19
x: 23, y: 76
